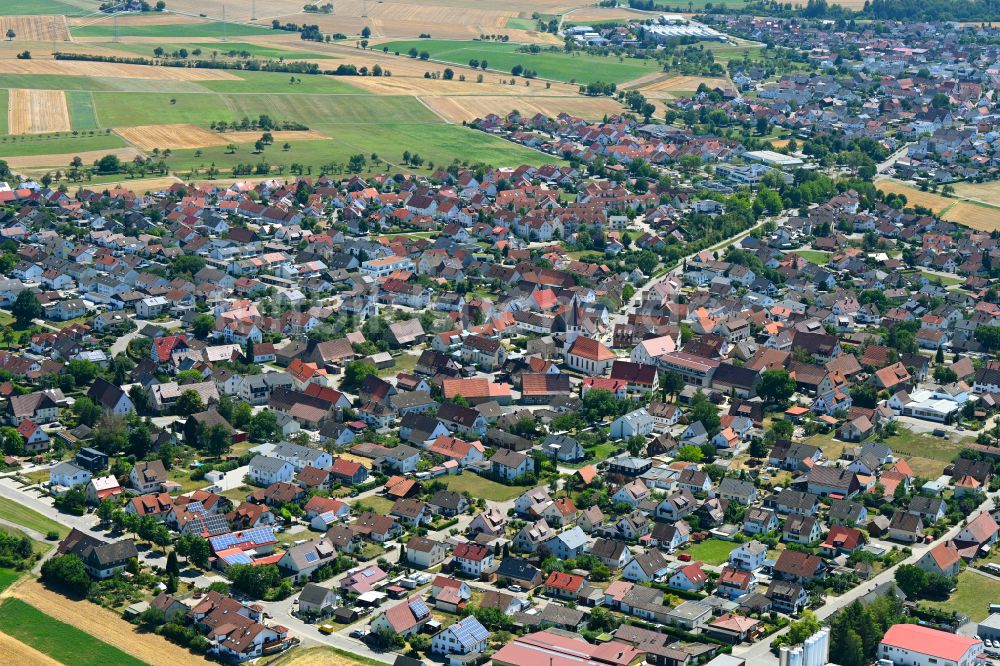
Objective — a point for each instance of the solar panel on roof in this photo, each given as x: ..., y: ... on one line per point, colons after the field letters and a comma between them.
x: 216, y: 524
x: 419, y: 608
x: 311, y: 557
x: 469, y: 631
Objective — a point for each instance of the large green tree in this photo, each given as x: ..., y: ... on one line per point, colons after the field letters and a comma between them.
x: 26, y: 308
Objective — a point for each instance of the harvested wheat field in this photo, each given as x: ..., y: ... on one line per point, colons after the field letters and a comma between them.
x: 680, y: 84
x: 974, y: 215
x: 143, y: 185
x: 456, y: 109
x: 115, y: 70
x: 103, y: 624
x: 601, y: 14
x: 914, y: 196
x: 179, y: 136
x: 985, y: 192
x: 13, y: 651
x: 35, y: 28
x: 37, y: 111
x: 63, y: 159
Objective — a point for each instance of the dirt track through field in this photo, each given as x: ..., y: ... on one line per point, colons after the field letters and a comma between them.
x: 115, y: 70
x: 103, y: 625
x: 13, y: 651
x: 37, y: 111
x: 457, y: 109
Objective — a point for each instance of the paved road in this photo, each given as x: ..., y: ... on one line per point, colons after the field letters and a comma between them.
x: 759, y: 654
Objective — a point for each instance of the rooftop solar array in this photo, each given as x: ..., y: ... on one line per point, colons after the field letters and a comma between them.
x: 419, y: 608
x: 238, y: 558
x: 257, y: 535
x: 469, y: 631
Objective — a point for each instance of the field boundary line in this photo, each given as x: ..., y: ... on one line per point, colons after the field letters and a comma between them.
x: 433, y: 110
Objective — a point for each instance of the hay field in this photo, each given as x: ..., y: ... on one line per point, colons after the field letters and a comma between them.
x: 985, y: 192
x: 457, y: 109
x: 490, y: 87
x: 175, y: 136
x: 183, y: 135
x: 37, y: 111
x: 35, y: 28
x: 679, y: 84
x: 62, y: 160
x: 914, y: 196
x: 974, y: 215
x: 103, y: 624
x: 115, y: 70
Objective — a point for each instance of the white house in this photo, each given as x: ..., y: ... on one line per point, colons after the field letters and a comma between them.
x: 636, y: 423
x: 464, y: 637
x: 265, y: 470
x: 68, y: 475
x: 914, y: 645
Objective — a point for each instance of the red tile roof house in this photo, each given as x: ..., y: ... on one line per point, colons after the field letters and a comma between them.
x: 406, y: 618
x: 472, y: 558
x: 841, y: 540
x: 564, y: 586
x: 943, y: 560
x: 981, y: 531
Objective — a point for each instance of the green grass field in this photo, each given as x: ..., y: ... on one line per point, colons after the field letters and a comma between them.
x: 40, y: 547
x: 181, y: 30
x: 973, y: 598
x: 276, y: 83
x: 221, y: 49
x: 3, y: 114
x: 49, y: 144
x: 711, y: 551
x: 478, y: 486
x: 81, y: 110
x: 817, y: 257
x: 39, y: 7
x: 515, y: 23
x: 57, y: 639
x: 22, y: 515
x: 555, y: 65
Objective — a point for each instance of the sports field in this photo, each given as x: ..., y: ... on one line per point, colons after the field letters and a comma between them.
x: 556, y: 65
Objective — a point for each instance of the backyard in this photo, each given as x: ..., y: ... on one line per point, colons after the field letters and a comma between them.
x: 711, y: 551
x: 478, y: 486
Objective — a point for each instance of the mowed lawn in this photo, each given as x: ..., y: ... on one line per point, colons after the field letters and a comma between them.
x: 478, y: 486
x: 711, y: 551
x: 22, y: 515
x: 556, y: 65
x: 927, y: 455
x: 973, y: 597
x: 57, y: 639
x: 377, y: 503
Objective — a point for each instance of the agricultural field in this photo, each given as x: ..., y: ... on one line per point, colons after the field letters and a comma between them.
x: 76, y: 68
x: 185, y: 30
x: 51, y: 144
x: 672, y: 86
x: 988, y: 192
x: 81, y: 110
x: 973, y: 214
x: 914, y: 196
x: 33, y: 7
x: 35, y: 28
x: 37, y: 111
x: 68, y: 629
x: 457, y: 108
x: 222, y: 48
x: 555, y: 65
